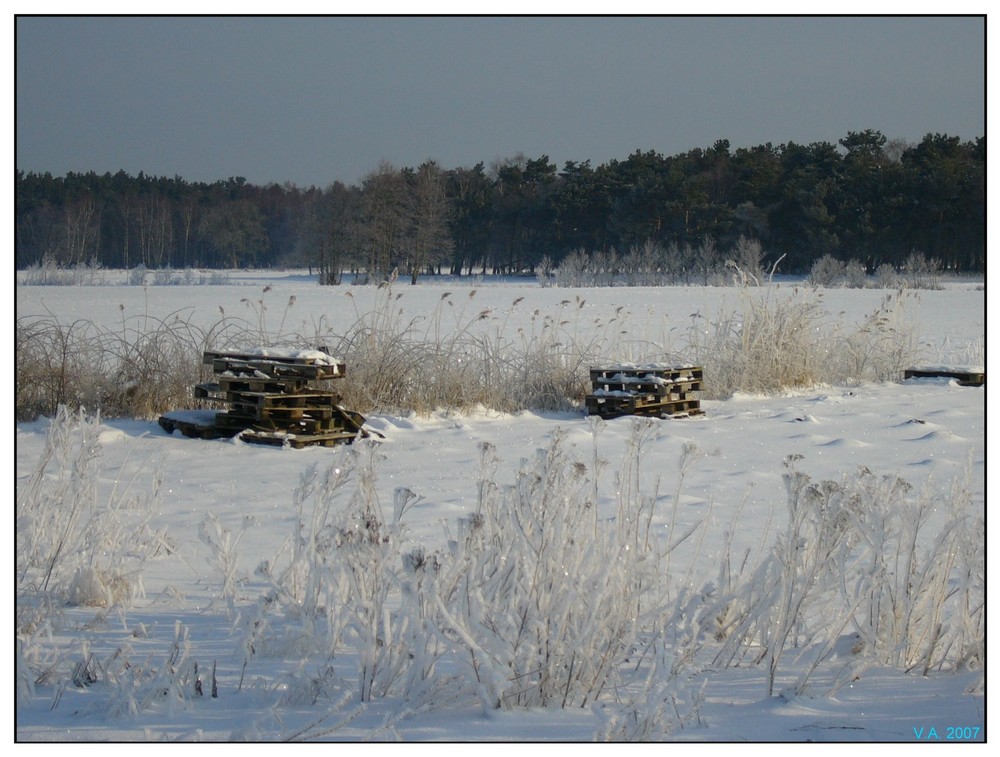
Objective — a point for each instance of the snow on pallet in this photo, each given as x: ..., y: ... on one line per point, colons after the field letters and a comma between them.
x: 655, y: 390
x: 275, y: 363
x: 269, y: 398
x: 652, y: 371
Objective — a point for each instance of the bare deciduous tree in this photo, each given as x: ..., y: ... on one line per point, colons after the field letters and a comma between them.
x: 431, y: 241
x: 386, y: 215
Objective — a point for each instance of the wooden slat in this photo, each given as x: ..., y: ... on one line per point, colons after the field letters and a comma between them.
x: 614, y: 407
x: 659, y: 390
x: 297, y: 441
x: 268, y: 384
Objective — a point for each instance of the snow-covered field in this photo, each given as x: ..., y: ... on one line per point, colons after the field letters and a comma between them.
x: 227, y: 507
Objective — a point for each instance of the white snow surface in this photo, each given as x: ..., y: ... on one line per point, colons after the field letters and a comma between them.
x: 926, y: 431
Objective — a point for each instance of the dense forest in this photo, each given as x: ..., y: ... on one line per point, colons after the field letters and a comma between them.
x: 866, y: 199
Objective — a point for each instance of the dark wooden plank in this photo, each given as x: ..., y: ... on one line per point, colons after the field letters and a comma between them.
x: 616, y: 407
x: 262, y: 384
x: 964, y: 378
x: 297, y: 441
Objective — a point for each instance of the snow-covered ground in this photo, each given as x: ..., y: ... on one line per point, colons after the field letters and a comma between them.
x: 929, y: 432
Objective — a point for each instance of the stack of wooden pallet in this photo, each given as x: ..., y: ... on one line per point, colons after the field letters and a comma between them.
x: 270, y: 398
x: 651, y: 390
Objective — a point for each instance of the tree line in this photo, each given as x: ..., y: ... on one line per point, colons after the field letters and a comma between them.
x: 866, y: 199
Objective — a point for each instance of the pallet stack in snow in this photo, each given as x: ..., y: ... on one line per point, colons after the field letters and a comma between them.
x: 651, y: 390
x: 964, y: 376
x: 270, y: 398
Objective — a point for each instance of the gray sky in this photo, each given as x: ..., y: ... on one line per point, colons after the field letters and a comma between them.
x: 316, y: 100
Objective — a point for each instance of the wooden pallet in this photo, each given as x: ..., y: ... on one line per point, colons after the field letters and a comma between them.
x: 654, y: 391
x: 965, y: 378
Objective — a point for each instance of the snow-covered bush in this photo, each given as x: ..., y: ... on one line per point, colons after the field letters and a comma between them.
x: 855, y: 274
x: 747, y: 260
x: 442, y: 360
x: 547, y: 597
x: 827, y: 271
x: 886, y: 277
x: 772, y: 342
x: 137, y: 276
x: 921, y: 272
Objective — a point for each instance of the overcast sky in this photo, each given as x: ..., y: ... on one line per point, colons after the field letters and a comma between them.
x: 315, y: 100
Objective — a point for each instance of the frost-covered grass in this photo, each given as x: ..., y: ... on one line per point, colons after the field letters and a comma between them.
x: 549, y: 592
x: 777, y: 340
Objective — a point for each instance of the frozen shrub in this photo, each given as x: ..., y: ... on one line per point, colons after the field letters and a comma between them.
x: 921, y: 272
x: 537, y: 600
x: 827, y: 271
x: 747, y: 262
x: 708, y: 260
x: 886, y: 277
x: 545, y: 271
x: 164, y: 277
x: 855, y: 275
x: 137, y: 276
x: 574, y: 270
x: 548, y: 598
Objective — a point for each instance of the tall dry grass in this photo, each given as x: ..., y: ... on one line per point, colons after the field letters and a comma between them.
x: 774, y: 340
x: 459, y: 356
